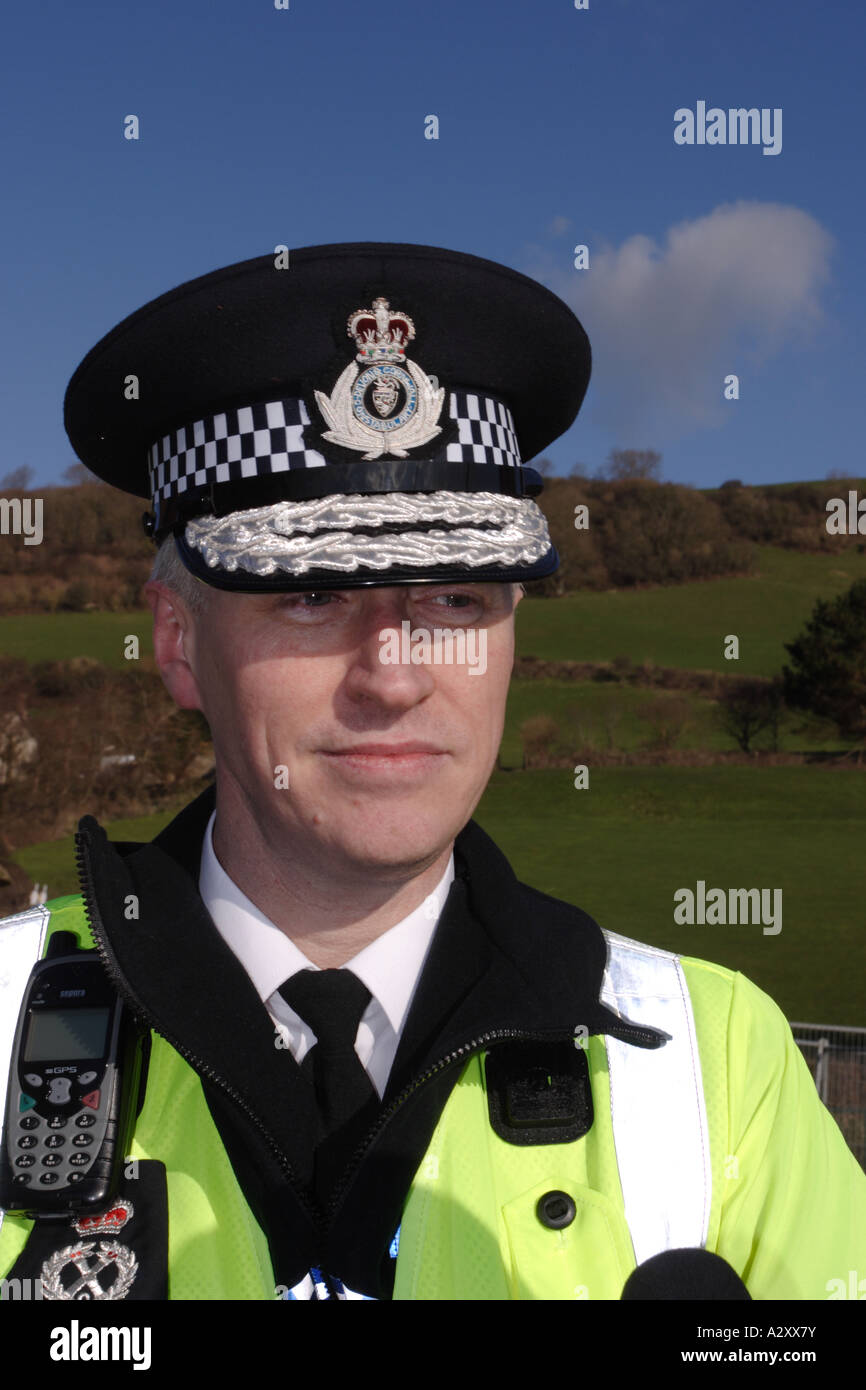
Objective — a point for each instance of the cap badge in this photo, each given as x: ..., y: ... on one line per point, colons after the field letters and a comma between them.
x: 88, y: 1260
x: 387, y: 404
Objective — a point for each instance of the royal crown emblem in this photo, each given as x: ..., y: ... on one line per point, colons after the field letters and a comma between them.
x: 387, y: 404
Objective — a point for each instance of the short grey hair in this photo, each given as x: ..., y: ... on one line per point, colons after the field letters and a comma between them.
x: 169, y: 569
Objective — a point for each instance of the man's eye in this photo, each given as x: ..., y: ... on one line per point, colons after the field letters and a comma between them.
x: 457, y: 600
x: 314, y: 600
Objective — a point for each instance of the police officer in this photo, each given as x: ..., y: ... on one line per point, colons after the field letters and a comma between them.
x: 380, y: 1066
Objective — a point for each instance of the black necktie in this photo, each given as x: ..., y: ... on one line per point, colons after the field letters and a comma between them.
x: 332, y: 1003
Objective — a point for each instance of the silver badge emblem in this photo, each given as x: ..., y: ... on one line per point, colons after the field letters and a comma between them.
x: 387, y: 405
x: 89, y: 1265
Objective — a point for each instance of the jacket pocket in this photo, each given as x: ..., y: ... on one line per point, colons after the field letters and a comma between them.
x: 588, y: 1257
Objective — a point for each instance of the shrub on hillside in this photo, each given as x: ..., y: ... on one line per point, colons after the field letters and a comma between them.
x: 749, y: 708
x: 827, y: 674
x: 639, y: 532
x: 668, y: 717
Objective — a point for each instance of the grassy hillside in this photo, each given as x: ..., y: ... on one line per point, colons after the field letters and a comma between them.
x: 62, y: 636
x: 600, y: 717
x: 622, y: 847
x: 685, y: 625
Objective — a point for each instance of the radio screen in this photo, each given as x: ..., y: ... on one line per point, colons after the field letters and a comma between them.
x: 60, y: 1035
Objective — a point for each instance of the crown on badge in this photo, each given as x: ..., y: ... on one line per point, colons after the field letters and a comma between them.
x: 112, y: 1220
x: 380, y: 335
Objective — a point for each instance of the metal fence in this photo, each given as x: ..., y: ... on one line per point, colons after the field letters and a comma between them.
x: 836, y: 1057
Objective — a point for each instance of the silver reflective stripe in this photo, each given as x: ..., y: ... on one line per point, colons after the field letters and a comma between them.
x: 21, y: 942
x: 657, y: 1102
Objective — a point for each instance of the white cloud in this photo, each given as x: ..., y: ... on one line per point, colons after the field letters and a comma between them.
x: 724, y: 293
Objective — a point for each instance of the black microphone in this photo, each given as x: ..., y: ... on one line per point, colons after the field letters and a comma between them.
x: 692, y: 1273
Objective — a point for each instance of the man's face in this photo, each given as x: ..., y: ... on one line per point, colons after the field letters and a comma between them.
x: 384, y: 760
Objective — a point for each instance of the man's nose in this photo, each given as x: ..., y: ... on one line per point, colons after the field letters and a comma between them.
x: 380, y: 667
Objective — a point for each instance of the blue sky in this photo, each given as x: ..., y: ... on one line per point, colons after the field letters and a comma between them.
x: 302, y: 126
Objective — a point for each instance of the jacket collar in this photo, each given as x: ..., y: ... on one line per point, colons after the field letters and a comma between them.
x: 504, y: 959
x: 523, y: 960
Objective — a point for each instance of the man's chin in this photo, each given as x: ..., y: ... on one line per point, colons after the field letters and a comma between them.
x: 393, y: 841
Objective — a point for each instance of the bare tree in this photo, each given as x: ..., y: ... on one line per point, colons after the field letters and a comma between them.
x: 77, y: 473
x: 626, y: 464
x: 747, y: 707
x: 18, y: 480
x: 668, y: 717
x: 538, y: 734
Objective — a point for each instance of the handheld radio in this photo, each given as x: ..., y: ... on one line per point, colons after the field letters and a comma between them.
x: 74, y: 1087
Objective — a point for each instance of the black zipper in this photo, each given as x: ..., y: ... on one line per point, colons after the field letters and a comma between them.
x: 464, y: 1052
x: 123, y: 987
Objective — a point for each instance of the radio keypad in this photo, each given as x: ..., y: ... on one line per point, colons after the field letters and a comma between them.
x: 62, y: 1093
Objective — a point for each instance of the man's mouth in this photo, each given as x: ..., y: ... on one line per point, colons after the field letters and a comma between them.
x: 387, y: 762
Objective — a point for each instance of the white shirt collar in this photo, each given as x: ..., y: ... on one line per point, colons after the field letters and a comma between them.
x: 390, y: 966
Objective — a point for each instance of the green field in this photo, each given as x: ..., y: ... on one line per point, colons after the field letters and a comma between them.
x: 604, y: 716
x: 62, y: 636
x: 53, y: 861
x: 622, y: 847
x: 684, y: 625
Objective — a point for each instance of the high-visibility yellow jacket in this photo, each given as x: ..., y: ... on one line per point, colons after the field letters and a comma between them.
x: 705, y: 1127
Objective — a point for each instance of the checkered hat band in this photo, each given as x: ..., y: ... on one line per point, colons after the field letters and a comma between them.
x: 260, y: 440
x: 485, y: 431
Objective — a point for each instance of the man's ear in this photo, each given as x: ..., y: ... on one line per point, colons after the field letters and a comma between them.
x: 174, y: 644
